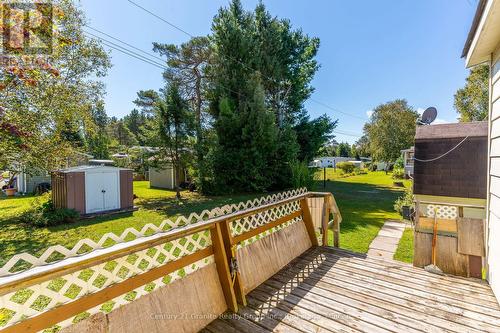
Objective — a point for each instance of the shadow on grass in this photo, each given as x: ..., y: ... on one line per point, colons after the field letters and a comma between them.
x: 191, y: 203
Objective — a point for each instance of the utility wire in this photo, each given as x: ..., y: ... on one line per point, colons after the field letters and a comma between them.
x: 238, y: 61
x: 135, y: 55
x: 443, y: 155
x: 347, y: 134
x: 161, y: 18
x: 126, y: 51
x: 123, y: 42
x: 336, y: 110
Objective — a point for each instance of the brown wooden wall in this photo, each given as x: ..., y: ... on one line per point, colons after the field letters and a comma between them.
x: 58, y: 183
x: 462, y: 173
x: 68, y: 190
x: 126, y: 189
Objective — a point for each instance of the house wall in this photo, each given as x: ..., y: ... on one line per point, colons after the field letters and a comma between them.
x: 493, y: 251
x: 27, y: 183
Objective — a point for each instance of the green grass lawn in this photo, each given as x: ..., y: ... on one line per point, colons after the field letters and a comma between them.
x: 404, y: 251
x: 365, y: 202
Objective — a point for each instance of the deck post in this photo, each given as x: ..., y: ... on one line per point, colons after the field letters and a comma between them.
x: 336, y: 230
x: 223, y: 271
x: 326, y: 220
x: 307, y: 218
x: 230, y: 249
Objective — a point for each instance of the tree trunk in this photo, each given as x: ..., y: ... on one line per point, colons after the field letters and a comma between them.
x: 199, y: 135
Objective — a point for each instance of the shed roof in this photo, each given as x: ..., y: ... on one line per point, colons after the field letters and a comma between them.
x: 449, y: 131
x: 83, y: 168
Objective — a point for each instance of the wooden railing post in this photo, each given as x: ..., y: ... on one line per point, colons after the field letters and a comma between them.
x: 230, y: 247
x: 306, y: 216
x: 221, y: 255
x: 336, y: 230
x: 326, y: 220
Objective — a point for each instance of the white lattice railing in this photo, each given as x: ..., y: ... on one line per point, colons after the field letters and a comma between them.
x: 23, y: 261
x: 46, y: 287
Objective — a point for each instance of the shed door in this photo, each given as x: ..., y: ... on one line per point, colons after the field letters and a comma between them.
x: 102, y: 191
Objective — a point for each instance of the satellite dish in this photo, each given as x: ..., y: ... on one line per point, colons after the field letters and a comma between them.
x: 428, y: 116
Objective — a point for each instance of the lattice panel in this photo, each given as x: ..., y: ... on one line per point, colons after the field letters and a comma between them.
x: 45, y: 296
x: 442, y: 212
x: 24, y: 261
x: 248, y: 223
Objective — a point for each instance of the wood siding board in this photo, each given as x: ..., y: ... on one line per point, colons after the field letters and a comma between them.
x: 495, y: 128
x: 262, y: 259
x: 447, y: 258
x: 494, y: 247
x: 475, y: 266
x: 471, y: 236
x: 198, y: 294
x: 495, y: 110
x: 495, y: 204
x: 495, y: 147
x: 495, y: 166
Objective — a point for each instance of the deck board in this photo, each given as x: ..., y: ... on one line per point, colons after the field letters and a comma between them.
x: 331, y: 290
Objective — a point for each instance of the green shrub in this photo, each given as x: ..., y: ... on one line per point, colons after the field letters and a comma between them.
x: 405, y: 200
x: 400, y: 163
x: 398, y: 173
x: 346, y: 167
x: 372, y: 167
x: 302, y: 175
x: 359, y: 171
x: 42, y: 213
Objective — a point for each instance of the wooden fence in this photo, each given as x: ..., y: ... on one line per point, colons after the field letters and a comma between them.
x: 460, y: 246
x: 198, y: 266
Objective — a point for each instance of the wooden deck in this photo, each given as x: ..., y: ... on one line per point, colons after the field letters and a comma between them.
x: 330, y: 290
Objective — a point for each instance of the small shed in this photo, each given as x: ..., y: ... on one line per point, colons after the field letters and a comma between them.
x: 408, y: 160
x: 165, y: 177
x: 93, y: 189
x: 450, y: 181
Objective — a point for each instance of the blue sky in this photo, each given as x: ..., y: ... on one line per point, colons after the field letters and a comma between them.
x: 371, y: 51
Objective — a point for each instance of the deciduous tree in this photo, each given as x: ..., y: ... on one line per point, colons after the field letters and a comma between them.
x: 42, y: 96
x: 471, y: 101
x: 391, y: 129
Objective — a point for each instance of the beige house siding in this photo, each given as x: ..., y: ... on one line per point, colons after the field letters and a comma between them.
x: 494, y: 181
x: 27, y: 183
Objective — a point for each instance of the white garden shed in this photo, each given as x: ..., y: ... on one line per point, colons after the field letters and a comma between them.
x: 93, y: 189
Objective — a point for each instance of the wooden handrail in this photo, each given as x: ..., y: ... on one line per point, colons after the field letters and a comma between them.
x: 40, y: 274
